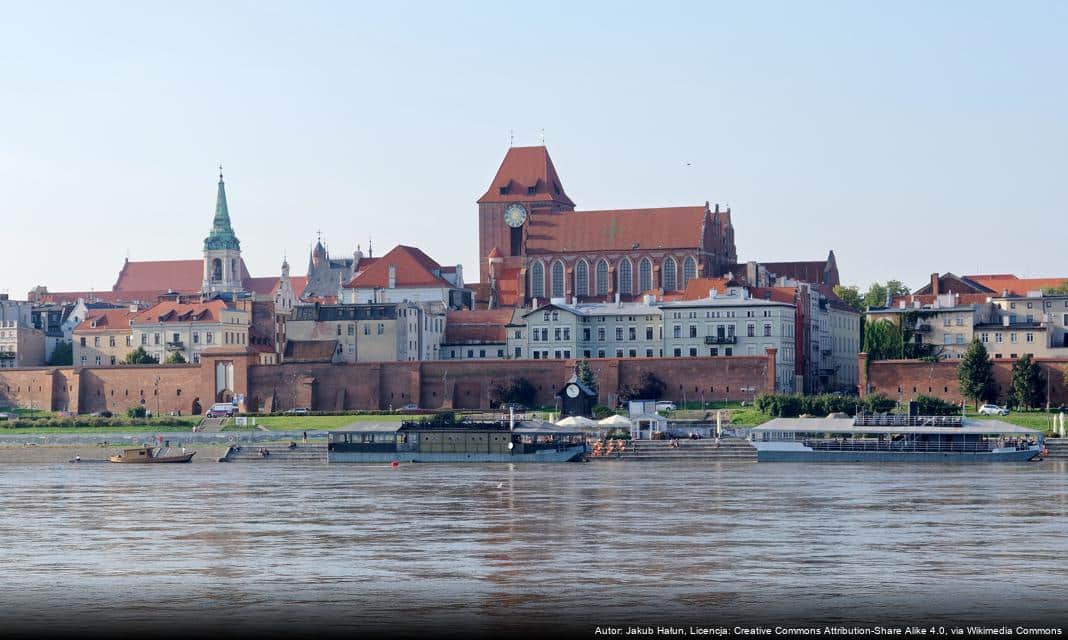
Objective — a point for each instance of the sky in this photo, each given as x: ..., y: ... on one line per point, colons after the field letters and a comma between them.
x: 909, y: 137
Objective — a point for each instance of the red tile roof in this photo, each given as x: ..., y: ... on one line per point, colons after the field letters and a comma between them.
x: 310, y: 350
x: 698, y: 288
x: 105, y: 320
x: 615, y: 230
x: 775, y: 294
x: 808, y: 271
x: 495, y: 253
x: 261, y: 286
x: 170, y: 311
x: 999, y: 283
x: 522, y: 168
x: 413, y: 269
x: 962, y: 299
x: 477, y: 327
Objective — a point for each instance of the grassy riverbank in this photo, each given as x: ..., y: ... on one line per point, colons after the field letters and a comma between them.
x: 318, y: 423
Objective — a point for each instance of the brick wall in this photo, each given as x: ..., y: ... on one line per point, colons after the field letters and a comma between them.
x: 336, y: 387
x: 904, y: 379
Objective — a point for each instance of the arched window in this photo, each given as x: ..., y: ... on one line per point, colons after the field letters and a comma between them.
x: 626, y: 277
x: 558, y: 279
x: 233, y: 268
x: 582, y: 279
x: 216, y: 270
x: 689, y: 270
x: 537, y: 280
x: 602, y: 277
x: 670, y: 271
x: 645, y: 274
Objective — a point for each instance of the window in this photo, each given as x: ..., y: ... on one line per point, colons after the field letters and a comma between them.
x: 518, y: 333
x: 984, y: 337
x: 144, y: 339
x: 567, y: 354
x: 129, y: 341
x: 670, y: 274
x: 1030, y: 337
x: 470, y: 353
x: 600, y: 353
x: 729, y: 351
x: 111, y: 341
x: 676, y: 331
x: 677, y: 353
x: 556, y: 333
x: 113, y: 364
x: 96, y: 341
x: 767, y: 330
x: 998, y: 338
x: 556, y: 354
x: 947, y: 338
x: 558, y: 279
x: 556, y: 316
x: 582, y: 279
x: 534, y: 335
x: 693, y: 331
x: 714, y: 351
x: 83, y: 341
x: 960, y: 338
x: 626, y: 278
x: 602, y: 277
x: 544, y: 335
x: 750, y: 330
x: 366, y: 329
x: 381, y: 328
x: 1012, y: 337
x: 196, y: 337
x: 632, y: 333
x: 481, y: 353
x: 98, y: 359
x: 600, y: 335
x: 619, y: 353
x: 960, y: 321
x: 567, y: 333
x: 518, y: 352
x: 645, y: 275
x: 689, y: 270
x: 352, y: 329
x: 693, y: 352
x: 155, y: 338
x: 619, y: 333
x: 537, y: 280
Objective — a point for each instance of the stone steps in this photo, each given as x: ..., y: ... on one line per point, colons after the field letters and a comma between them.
x: 1058, y: 448
x: 303, y: 454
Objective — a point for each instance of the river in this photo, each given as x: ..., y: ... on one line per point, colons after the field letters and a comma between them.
x: 471, y: 548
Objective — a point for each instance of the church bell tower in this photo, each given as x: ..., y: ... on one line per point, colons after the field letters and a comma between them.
x: 222, y: 250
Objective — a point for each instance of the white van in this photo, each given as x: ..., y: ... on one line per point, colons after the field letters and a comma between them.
x: 221, y: 409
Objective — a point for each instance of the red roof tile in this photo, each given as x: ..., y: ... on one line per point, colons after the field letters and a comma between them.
x: 413, y: 269
x: 999, y: 283
x: 698, y: 288
x: 522, y: 168
x: 171, y: 311
x: 615, y: 230
x: 105, y: 320
x: 310, y: 350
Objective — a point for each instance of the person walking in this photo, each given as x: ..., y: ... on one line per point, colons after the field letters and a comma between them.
x: 305, y: 437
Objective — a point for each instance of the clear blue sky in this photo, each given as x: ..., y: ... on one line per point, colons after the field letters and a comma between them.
x: 908, y: 137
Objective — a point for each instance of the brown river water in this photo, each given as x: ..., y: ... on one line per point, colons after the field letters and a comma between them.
x: 424, y: 549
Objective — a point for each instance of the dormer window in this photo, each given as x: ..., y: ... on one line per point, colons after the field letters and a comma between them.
x: 504, y: 190
x: 530, y: 191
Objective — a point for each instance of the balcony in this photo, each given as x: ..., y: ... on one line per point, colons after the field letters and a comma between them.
x: 721, y: 339
x: 924, y: 328
x: 7, y: 355
x: 177, y: 345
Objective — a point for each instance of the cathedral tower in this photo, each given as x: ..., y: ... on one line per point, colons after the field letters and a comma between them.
x: 222, y: 250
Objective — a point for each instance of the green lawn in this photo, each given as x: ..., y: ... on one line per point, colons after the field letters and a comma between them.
x: 1038, y: 420
x: 91, y: 430
x: 322, y: 423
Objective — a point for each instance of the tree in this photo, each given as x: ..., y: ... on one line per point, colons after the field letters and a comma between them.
x: 884, y: 340
x: 649, y: 387
x: 1027, y: 388
x: 140, y: 356
x: 851, y: 296
x: 62, y: 355
x: 585, y: 375
x: 176, y: 358
x: 516, y: 390
x: 878, y: 294
x: 1062, y: 288
x: 976, y: 373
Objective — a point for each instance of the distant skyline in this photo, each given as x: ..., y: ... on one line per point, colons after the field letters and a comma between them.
x: 908, y: 137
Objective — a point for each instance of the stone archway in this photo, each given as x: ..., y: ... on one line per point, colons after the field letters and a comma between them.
x: 225, y: 395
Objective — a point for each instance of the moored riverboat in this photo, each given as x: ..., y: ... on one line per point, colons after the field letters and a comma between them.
x: 148, y: 455
x: 895, y: 438
x: 443, y: 440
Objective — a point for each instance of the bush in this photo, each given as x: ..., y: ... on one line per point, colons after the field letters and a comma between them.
x: 135, y: 412
x: 600, y: 412
x: 781, y: 405
x: 930, y: 406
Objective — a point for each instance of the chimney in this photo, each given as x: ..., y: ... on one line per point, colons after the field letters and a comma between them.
x: 712, y: 293
x: 392, y: 276
x: 617, y: 299
x: 717, y: 207
x: 934, y: 284
x: 459, y: 276
x: 133, y: 308
x: 534, y: 303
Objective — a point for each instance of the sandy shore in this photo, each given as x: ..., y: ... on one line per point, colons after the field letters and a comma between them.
x: 65, y: 453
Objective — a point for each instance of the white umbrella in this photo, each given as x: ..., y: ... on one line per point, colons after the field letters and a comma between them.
x: 576, y: 421
x: 615, y: 421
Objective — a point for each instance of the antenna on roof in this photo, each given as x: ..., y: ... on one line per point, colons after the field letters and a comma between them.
x: 220, y: 172
x: 541, y: 136
x: 511, y: 137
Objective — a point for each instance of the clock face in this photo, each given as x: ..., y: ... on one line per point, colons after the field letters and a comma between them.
x: 572, y: 390
x: 515, y: 215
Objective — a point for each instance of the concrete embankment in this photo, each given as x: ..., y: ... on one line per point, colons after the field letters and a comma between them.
x: 1058, y: 448
x: 89, y: 453
x: 728, y: 450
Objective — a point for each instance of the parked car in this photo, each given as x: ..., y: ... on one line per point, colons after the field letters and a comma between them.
x: 5, y: 416
x: 513, y: 406
x: 411, y: 406
x: 221, y: 410
x: 665, y: 406
x: 993, y: 410
x: 298, y: 411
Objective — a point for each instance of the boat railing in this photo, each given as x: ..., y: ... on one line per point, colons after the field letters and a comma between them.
x: 905, y: 420
x: 910, y: 446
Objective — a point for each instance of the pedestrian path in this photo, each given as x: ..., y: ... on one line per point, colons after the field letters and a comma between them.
x: 301, y: 454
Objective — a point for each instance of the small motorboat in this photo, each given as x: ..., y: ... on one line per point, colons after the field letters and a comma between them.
x: 148, y: 455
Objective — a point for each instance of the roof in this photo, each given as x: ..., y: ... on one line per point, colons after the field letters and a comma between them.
x: 310, y: 350
x: 521, y: 169
x: 170, y: 311
x: 184, y: 276
x: 807, y: 271
x: 477, y: 327
x: 699, y: 288
x: 599, y: 309
x: 1000, y: 283
x: 845, y: 425
x: 616, y: 230
x: 106, y: 320
x: 926, y: 300
x: 413, y: 269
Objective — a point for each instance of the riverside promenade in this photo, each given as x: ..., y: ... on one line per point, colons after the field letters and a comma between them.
x: 728, y: 450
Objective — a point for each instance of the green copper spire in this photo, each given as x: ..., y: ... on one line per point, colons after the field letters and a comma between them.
x: 222, y: 235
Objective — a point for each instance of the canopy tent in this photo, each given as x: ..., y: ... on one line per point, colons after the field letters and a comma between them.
x: 577, y: 422
x: 615, y: 420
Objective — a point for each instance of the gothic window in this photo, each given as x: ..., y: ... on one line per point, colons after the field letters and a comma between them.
x: 689, y: 270
x: 602, y: 277
x: 626, y: 278
x: 537, y: 280
x: 670, y: 269
x: 582, y: 278
x: 233, y: 268
x: 558, y: 279
x: 645, y: 274
x: 216, y: 270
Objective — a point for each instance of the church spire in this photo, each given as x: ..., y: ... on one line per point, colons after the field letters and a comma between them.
x: 222, y: 234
